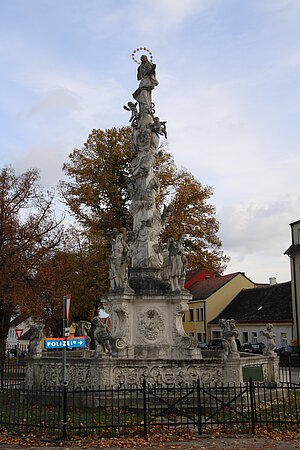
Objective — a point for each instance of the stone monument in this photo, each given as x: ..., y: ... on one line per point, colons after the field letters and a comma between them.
x: 146, y: 309
x: 146, y: 300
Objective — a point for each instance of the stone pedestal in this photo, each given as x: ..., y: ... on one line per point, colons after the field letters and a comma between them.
x: 233, y: 373
x: 273, y: 369
x: 149, y: 325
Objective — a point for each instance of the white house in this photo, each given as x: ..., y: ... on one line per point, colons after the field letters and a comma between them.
x: 17, y: 327
x: 254, y: 308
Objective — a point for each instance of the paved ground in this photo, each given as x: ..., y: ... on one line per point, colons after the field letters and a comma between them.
x: 218, y: 443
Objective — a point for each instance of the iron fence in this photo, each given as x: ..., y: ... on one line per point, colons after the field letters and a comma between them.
x: 289, y: 370
x: 111, y: 411
x: 12, y: 372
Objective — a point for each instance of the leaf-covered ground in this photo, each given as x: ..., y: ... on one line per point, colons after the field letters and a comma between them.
x: 183, y: 439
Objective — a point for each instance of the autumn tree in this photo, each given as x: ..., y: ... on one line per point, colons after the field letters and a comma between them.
x: 29, y: 233
x: 98, y: 195
x: 77, y: 267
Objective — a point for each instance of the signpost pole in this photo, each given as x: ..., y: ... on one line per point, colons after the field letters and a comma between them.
x: 64, y: 378
x: 64, y: 352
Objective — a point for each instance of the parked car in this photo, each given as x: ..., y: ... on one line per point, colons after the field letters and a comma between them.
x: 218, y: 344
x: 290, y: 356
x: 12, y: 353
x: 202, y: 345
x: 278, y: 349
x: 256, y: 347
x: 215, y: 344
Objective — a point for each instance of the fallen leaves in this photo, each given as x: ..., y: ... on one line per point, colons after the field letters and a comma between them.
x: 163, y: 438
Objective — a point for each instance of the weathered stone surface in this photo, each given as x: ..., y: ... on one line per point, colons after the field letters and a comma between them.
x: 92, y: 372
x: 150, y: 326
x: 269, y: 334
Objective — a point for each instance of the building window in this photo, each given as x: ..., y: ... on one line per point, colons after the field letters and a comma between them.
x: 183, y: 317
x: 254, y: 337
x: 245, y: 337
x: 284, y: 341
x: 199, y: 315
x: 199, y: 337
x: 191, y: 315
x: 192, y: 334
x: 216, y: 334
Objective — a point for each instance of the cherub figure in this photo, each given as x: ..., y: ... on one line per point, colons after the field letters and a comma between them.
x: 230, y: 333
x: 102, y: 335
x: 159, y: 127
x: 134, y: 113
x: 35, y: 339
x: 270, y: 336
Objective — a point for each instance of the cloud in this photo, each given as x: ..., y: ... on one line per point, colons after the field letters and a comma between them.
x: 257, y: 227
x: 256, y: 234
x: 57, y: 101
x: 165, y: 15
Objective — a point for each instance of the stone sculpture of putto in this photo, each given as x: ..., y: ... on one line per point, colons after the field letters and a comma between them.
x: 270, y: 336
x: 229, y: 333
x: 101, y: 335
x: 35, y: 339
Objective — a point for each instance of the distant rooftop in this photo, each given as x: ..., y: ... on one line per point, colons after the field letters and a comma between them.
x: 272, y: 304
x: 203, y: 289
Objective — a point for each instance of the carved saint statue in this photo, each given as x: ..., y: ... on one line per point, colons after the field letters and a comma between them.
x: 270, y: 336
x: 118, y: 263
x: 230, y: 333
x: 35, y: 339
x: 102, y: 334
x: 177, y: 263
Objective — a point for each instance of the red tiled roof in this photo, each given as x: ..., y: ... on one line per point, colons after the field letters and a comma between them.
x: 203, y: 289
x: 193, y: 276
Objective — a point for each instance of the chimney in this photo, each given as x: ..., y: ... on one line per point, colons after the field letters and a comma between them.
x: 272, y: 281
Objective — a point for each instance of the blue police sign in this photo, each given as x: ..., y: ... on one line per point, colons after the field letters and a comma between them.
x: 59, y: 343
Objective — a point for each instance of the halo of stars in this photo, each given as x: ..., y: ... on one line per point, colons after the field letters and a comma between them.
x: 141, y: 49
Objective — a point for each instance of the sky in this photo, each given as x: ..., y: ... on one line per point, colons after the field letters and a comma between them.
x: 229, y: 89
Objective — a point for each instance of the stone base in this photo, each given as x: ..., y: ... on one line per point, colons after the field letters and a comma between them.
x: 93, y: 372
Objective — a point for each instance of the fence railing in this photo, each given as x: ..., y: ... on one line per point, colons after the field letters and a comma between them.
x: 289, y: 370
x: 12, y: 372
x: 110, y: 411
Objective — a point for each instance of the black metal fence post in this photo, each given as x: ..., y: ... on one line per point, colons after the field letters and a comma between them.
x: 2, y: 372
x: 199, y: 408
x: 64, y: 411
x: 251, y: 385
x: 290, y: 370
x: 145, y: 407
